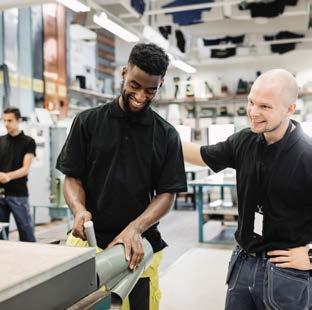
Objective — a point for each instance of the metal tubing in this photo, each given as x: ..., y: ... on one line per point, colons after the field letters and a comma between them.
x: 111, y: 263
x: 89, y: 231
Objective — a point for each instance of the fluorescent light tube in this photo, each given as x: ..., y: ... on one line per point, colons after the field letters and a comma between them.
x: 103, y: 21
x: 183, y: 66
x: 154, y: 36
x: 74, y: 5
x: 170, y: 56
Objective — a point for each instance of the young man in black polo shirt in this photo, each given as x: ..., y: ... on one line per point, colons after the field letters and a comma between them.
x: 123, y: 165
x: 270, y: 268
x: 16, y: 154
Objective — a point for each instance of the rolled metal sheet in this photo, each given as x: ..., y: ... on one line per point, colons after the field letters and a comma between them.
x: 111, y: 283
x: 112, y: 268
x: 125, y: 286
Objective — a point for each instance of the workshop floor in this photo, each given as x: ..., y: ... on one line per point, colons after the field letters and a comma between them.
x: 192, y: 274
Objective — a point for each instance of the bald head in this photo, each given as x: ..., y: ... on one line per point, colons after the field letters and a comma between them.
x: 281, y: 82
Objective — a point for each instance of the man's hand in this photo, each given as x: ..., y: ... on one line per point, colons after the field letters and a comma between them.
x: 132, y: 240
x: 297, y: 258
x: 79, y: 219
x: 4, y: 178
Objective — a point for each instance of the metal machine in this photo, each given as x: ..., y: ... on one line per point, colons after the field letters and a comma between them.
x: 42, y: 276
x: 45, y: 182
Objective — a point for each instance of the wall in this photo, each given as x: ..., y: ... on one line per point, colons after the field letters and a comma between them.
x: 83, y: 61
x: 122, y: 52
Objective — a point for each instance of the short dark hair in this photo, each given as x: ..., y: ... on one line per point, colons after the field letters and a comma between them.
x: 13, y: 110
x: 150, y: 58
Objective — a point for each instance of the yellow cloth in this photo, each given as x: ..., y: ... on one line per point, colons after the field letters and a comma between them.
x: 151, y: 272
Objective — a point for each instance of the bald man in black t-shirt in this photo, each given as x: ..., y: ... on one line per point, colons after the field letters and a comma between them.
x: 271, y: 266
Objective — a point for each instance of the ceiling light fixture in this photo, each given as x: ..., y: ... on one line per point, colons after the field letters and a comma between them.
x: 103, y: 21
x: 183, y: 66
x: 74, y: 5
x: 154, y: 36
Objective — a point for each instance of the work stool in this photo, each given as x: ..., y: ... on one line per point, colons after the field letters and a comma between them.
x: 3, y: 226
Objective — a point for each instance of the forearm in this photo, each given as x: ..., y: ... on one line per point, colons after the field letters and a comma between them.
x: 20, y: 172
x: 191, y: 153
x: 17, y: 174
x: 159, y: 206
x: 74, y: 194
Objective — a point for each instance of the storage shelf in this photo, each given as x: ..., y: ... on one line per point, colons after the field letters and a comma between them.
x: 212, y: 100
x: 90, y: 93
x: 234, y: 99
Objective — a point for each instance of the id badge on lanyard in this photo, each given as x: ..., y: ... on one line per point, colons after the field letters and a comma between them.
x: 258, y: 223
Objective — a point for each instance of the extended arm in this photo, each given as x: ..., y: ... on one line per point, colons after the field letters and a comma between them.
x: 191, y: 153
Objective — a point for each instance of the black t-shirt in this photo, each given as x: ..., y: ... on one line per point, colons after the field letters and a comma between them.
x: 12, y: 152
x: 287, y: 203
x: 122, y: 159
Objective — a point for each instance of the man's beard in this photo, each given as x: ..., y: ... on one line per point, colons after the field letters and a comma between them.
x: 126, y: 99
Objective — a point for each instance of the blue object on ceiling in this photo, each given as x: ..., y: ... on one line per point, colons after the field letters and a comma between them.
x: 190, y: 17
x: 138, y: 5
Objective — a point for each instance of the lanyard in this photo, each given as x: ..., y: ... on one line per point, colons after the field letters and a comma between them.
x: 263, y: 183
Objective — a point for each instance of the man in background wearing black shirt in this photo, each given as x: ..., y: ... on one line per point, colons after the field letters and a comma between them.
x: 270, y: 267
x: 123, y: 165
x: 16, y: 154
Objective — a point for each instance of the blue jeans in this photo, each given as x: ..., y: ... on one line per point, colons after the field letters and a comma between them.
x: 20, y: 208
x: 254, y: 283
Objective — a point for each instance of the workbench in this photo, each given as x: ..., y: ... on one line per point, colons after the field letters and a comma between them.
x: 191, y: 172
x: 215, y: 180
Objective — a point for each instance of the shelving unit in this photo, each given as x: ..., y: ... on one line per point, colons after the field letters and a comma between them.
x: 88, y: 92
x: 211, y: 100
x: 219, y: 100
x: 82, y: 99
x: 232, y: 102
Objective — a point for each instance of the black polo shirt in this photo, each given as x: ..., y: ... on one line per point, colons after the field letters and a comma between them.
x: 122, y: 159
x: 12, y: 152
x: 287, y: 202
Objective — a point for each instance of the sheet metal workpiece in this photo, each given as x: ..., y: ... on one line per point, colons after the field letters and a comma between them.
x: 113, y: 271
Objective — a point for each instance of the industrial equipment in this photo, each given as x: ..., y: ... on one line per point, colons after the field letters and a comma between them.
x: 44, y: 276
